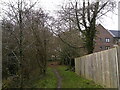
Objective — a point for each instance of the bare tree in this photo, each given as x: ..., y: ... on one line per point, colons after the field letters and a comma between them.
x: 16, y: 16
x: 84, y: 15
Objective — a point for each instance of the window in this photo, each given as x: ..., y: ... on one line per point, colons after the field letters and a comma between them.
x: 107, y: 47
x: 107, y: 39
x: 100, y: 39
x: 101, y: 47
x: 118, y: 40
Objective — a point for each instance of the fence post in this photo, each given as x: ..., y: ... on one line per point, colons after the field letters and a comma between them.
x: 0, y: 56
x: 118, y: 56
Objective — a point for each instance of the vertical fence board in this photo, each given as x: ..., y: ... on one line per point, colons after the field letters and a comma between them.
x: 116, y: 68
x: 102, y: 68
x: 99, y: 68
x: 94, y: 67
x: 118, y: 55
x: 110, y: 67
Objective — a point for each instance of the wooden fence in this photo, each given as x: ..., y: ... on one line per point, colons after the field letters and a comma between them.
x: 101, y: 67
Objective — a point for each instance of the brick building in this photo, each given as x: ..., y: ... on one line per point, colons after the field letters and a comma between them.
x: 106, y: 39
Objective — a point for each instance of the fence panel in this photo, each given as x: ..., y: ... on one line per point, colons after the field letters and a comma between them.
x: 102, y: 67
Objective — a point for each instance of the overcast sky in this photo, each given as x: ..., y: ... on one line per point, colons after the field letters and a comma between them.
x: 109, y: 22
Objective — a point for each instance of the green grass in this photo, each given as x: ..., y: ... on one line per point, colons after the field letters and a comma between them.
x: 72, y: 80
x: 69, y: 80
x: 49, y: 81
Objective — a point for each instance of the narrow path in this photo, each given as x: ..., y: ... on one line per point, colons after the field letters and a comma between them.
x: 59, y: 81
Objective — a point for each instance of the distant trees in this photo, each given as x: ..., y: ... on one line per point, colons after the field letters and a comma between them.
x: 68, y: 53
x: 68, y: 41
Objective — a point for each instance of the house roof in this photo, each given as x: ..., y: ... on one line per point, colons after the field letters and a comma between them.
x: 115, y: 33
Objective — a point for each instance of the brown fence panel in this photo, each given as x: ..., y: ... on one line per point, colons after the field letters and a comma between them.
x: 101, y: 67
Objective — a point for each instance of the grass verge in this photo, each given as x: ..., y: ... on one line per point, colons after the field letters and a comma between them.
x: 48, y: 81
x: 72, y: 80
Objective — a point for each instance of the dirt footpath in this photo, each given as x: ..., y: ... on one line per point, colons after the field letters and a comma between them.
x: 53, y: 65
x: 59, y: 78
